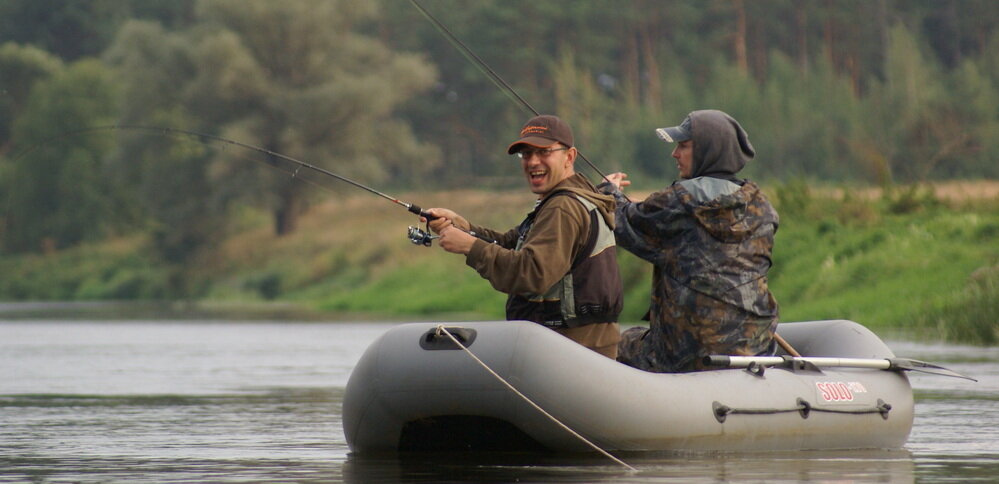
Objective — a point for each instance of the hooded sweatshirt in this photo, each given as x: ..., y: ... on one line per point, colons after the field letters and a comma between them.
x: 710, y: 240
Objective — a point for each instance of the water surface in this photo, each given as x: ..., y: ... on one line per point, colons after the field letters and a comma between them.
x: 227, y: 401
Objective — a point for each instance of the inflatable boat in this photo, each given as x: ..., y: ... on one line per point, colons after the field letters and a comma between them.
x: 517, y: 386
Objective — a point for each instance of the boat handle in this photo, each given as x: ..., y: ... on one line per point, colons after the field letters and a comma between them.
x: 434, y: 340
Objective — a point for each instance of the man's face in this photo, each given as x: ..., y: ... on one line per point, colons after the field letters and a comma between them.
x: 684, y: 154
x: 546, y: 167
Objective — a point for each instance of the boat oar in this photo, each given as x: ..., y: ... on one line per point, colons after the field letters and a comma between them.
x: 785, y: 345
x: 894, y: 364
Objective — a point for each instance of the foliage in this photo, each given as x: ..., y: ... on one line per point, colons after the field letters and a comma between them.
x: 970, y: 315
x: 72, y: 30
x: 848, y: 257
x: 849, y: 91
x: 852, y: 92
x: 119, y: 269
x: 929, y: 271
x: 21, y: 66
x: 294, y: 78
x: 57, y: 190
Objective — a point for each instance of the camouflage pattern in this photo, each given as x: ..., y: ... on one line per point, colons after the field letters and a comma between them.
x: 709, y: 293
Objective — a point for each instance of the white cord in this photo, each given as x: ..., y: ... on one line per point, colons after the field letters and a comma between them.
x: 442, y: 329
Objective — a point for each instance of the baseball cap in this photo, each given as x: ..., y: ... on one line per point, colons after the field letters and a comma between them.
x: 675, y: 134
x: 541, y: 132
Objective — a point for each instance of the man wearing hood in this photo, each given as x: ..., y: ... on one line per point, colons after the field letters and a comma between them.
x: 709, y: 237
x: 559, y: 266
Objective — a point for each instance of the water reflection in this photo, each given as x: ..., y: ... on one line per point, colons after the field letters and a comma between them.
x: 825, y: 466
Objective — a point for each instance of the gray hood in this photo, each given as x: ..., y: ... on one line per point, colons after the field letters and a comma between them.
x: 721, y: 146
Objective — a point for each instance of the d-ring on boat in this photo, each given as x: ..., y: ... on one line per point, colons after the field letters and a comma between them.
x: 416, y: 389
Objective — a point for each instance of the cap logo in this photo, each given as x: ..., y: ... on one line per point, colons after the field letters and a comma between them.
x: 542, y: 130
x: 533, y: 130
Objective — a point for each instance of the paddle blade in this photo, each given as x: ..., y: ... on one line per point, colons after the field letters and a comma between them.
x: 924, y: 367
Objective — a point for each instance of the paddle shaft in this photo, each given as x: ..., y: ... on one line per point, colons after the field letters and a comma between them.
x: 786, y: 346
x: 895, y: 364
x: 819, y: 361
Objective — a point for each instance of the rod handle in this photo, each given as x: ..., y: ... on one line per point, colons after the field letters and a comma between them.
x: 419, y: 211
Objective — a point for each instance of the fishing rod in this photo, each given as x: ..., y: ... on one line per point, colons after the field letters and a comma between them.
x: 415, y: 234
x: 489, y: 72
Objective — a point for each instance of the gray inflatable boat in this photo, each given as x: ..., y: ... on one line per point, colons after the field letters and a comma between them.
x: 415, y: 389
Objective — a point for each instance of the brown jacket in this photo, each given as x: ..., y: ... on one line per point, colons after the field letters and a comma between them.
x: 559, y: 234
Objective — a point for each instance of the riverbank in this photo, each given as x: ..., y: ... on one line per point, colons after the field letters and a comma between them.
x: 914, y: 259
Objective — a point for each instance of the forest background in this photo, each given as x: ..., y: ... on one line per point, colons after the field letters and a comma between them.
x: 876, y: 124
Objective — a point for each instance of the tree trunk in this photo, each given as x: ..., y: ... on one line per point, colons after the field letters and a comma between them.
x: 739, y: 41
x: 631, y: 70
x: 288, y: 209
x: 801, y: 31
x: 829, y: 36
x: 653, y: 94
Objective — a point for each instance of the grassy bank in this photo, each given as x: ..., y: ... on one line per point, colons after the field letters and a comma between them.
x: 906, y: 259
x: 910, y: 259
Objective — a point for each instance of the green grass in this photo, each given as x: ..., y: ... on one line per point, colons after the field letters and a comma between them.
x: 961, y: 316
x: 116, y: 270
x: 905, y: 261
x: 427, y: 287
x: 886, y: 266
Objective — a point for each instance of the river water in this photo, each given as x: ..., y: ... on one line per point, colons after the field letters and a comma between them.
x: 226, y: 401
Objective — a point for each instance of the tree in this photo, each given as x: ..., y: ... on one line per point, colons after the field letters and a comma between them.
x: 70, y: 30
x: 969, y: 128
x: 73, y: 30
x: 59, y: 193
x: 297, y: 78
x: 20, y: 67
x: 910, y: 100
x: 658, y: 53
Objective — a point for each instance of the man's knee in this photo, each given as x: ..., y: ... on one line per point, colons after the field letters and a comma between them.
x: 629, y: 349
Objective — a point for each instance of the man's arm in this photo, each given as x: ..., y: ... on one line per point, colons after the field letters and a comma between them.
x: 559, y: 233
x: 639, y: 226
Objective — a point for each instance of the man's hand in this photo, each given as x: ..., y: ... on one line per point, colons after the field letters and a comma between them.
x: 618, y: 180
x: 456, y: 241
x: 445, y: 218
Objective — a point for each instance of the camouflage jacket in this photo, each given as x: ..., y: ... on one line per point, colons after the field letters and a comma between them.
x: 710, y: 242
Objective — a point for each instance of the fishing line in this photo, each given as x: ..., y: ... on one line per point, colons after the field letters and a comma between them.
x: 488, y: 71
x: 301, y: 164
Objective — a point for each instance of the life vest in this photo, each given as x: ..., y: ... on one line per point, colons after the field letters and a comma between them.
x: 591, y: 292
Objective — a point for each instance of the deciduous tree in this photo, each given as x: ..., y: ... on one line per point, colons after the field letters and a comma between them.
x: 58, y: 191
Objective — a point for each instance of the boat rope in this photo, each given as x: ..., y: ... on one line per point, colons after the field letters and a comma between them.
x: 803, y: 408
x: 442, y: 330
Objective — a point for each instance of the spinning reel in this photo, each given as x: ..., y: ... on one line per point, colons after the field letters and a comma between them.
x: 419, y: 236
x: 425, y: 237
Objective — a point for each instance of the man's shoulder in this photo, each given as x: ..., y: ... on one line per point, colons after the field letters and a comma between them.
x: 580, y: 188
x: 705, y: 188
x: 567, y: 199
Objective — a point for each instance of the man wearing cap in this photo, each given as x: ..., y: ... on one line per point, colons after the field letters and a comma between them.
x: 709, y: 237
x: 558, y: 267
